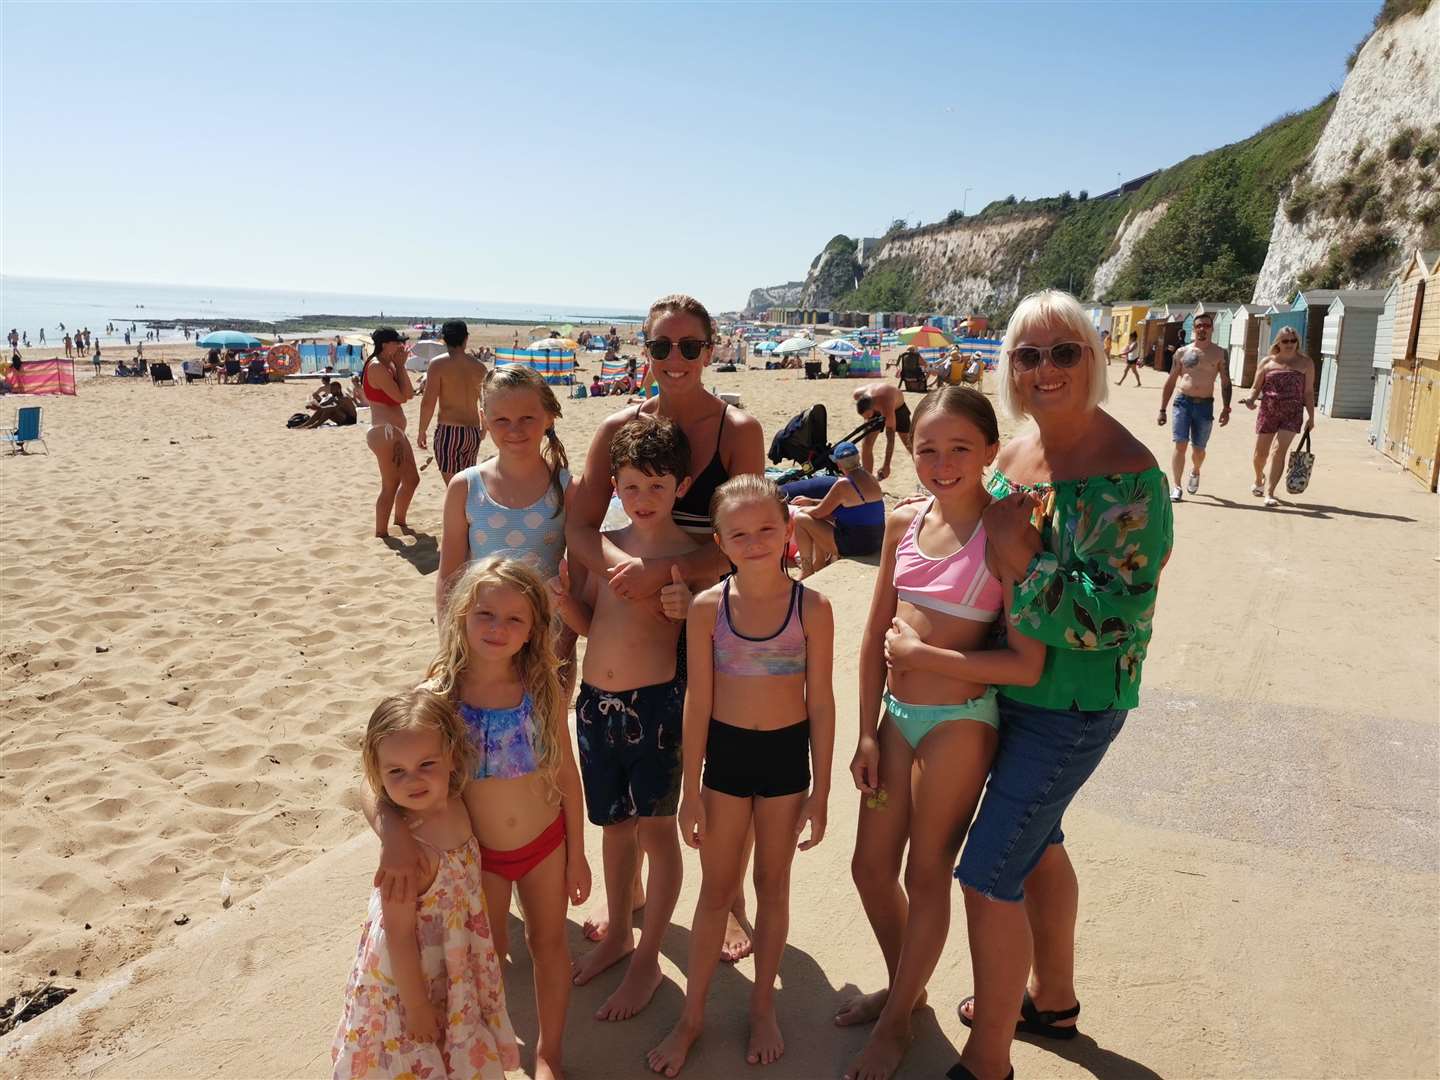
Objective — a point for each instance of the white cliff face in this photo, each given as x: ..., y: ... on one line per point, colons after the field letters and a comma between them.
x: 970, y: 266
x: 1394, y: 84
x: 1131, y: 230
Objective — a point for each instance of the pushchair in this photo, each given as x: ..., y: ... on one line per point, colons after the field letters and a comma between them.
x: 803, y: 441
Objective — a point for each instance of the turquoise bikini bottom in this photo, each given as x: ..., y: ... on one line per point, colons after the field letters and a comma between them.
x: 917, y: 721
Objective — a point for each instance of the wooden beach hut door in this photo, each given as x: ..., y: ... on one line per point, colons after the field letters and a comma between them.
x: 1412, y: 436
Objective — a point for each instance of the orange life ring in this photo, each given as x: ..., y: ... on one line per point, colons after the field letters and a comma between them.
x: 284, y: 359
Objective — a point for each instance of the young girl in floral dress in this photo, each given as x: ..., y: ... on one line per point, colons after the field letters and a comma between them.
x: 425, y: 997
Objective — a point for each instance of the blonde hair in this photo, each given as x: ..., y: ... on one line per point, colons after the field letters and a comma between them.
x: 1047, y: 307
x: 535, y: 663
x: 503, y: 380
x: 1275, y: 343
x: 679, y: 302
x: 747, y: 487
x: 416, y: 710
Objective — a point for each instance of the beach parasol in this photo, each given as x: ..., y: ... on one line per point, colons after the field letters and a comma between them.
x: 794, y: 345
x: 422, y: 352
x: 841, y: 348
x: 766, y: 347
x: 228, y: 339
x: 923, y: 337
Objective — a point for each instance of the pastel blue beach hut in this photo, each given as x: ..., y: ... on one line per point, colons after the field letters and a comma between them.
x: 1279, y: 316
x: 1347, y: 351
x: 1381, y: 366
x: 1245, y: 328
x: 1219, y: 313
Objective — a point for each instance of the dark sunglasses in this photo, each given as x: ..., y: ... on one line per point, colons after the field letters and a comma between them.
x: 1065, y: 355
x: 690, y: 348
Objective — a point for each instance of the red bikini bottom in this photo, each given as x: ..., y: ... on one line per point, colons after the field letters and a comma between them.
x: 514, y: 864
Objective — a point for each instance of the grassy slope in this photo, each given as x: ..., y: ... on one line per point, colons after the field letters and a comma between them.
x: 1211, y: 242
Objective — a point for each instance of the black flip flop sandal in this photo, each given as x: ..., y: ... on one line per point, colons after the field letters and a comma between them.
x: 1035, y: 1022
x: 960, y: 1072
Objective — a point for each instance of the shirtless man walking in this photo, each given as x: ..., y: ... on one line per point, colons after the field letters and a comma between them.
x: 886, y: 400
x: 455, y: 381
x: 1193, y: 374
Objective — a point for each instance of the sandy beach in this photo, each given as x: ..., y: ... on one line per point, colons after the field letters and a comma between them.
x: 195, y: 622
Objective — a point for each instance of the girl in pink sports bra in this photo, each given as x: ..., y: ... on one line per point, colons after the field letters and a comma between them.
x: 929, y: 660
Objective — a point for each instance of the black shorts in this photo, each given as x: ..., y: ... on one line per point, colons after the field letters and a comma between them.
x: 902, y: 420
x: 630, y: 750
x: 858, y: 539
x: 766, y: 764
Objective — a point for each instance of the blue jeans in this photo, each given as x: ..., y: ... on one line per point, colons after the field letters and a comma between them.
x: 1191, y: 419
x: 1044, y: 757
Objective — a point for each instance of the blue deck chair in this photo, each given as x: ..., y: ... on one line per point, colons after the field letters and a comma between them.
x: 27, y: 429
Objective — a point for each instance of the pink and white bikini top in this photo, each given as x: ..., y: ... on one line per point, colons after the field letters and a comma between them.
x: 959, y: 584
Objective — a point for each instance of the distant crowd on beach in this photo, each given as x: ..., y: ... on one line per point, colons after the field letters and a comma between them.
x: 1005, y: 643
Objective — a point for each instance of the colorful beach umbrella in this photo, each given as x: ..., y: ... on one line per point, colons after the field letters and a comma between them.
x: 841, y: 348
x: 924, y: 337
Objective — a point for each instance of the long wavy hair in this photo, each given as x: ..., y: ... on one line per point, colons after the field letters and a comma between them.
x: 535, y: 663
x: 501, y: 380
x: 416, y: 710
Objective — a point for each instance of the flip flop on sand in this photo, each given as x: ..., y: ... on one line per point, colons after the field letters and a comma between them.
x: 1033, y: 1021
x: 1256, y: 490
x: 1270, y: 500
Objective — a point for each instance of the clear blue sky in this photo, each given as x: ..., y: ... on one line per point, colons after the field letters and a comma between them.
x: 596, y: 153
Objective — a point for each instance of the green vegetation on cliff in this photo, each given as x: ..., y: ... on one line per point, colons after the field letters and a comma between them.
x: 1210, y: 242
x: 1212, y: 239
x: 892, y: 285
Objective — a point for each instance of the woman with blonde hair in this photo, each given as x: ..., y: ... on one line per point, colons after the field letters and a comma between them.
x: 1285, y: 386
x: 1082, y: 524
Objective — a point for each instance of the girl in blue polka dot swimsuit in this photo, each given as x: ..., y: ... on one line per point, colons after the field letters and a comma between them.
x: 512, y: 504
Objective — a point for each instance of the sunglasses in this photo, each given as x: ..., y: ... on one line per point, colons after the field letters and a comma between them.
x: 1065, y: 355
x: 690, y: 348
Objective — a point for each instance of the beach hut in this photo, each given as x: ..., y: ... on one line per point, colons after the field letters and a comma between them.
x: 1412, y: 429
x: 1125, y: 318
x: 1219, y: 314
x: 1347, y: 350
x: 1099, y: 317
x: 1245, y: 322
x: 1278, y: 316
x: 1380, y: 367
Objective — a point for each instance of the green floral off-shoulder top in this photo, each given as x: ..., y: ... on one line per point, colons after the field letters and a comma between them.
x: 1090, y: 593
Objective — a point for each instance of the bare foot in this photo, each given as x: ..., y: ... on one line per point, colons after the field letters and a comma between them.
x: 737, y: 944
x: 611, y: 950
x: 882, y: 1054
x: 866, y: 1008
x: 597, y: 923
x: 669, y: 1057
x: 633, y: 993
x: 545, y: 1070
x: 766, y: 1043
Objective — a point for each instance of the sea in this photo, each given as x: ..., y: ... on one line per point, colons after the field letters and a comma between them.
x: 29, y: 303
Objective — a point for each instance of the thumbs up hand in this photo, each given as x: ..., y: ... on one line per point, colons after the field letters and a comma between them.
x: 675, y: 598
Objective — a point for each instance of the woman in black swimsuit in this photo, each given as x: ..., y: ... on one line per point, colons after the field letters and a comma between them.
x: 679, y: 336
